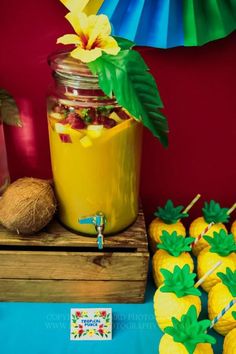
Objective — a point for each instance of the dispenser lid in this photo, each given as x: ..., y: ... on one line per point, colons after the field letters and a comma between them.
x: 63, y: 63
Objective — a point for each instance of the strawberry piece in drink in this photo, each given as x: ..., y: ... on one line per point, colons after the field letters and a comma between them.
x: 65, y: 138
x: 108, y: 123
x: 122, y: 114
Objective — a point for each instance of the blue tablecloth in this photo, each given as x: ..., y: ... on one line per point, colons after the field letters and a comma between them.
x: 44, y: 328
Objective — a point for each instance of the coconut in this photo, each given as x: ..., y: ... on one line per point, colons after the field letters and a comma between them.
x: 27, y: 205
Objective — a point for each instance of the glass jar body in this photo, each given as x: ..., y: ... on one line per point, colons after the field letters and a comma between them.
x: 4, y: 174
x: 95, y: 160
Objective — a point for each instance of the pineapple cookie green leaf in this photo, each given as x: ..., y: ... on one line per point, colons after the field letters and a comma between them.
x: 221, y: 243
x: 180, y: 282
x: 234, y: 314
x: 189, y: 331
x: 174, y: 244
x: 229, y: 279
x: 213, y: 212
x: 170, y: 214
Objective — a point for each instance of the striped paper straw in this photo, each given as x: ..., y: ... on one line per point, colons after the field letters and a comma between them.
x: 202, y: 234
x: 231, y: 209
x: 203, y: 278
x: 191, y: 204
x: 217, y: 318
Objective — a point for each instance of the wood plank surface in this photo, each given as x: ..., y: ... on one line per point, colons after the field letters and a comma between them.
x: 57, y: 235
x: 72, y: 291
x: 73, y: 265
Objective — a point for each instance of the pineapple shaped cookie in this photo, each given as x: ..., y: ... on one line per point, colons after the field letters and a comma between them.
x: 233, y: 226
x: 187, y: 336
x: 219, y: 296
x: 233, y: 229
x: 230, y: 340
x: 175, y: 296
x: 167, y: 219
x: 173, y: 250
x: 212, y: 212
x: 222, y: 248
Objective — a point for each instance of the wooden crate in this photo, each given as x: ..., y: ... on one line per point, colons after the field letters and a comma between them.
x: 60, y: 266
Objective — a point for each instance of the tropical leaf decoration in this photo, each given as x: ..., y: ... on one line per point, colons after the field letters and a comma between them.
x: 170, y: 214
x: 126, y: 76
x: 189, y: 331
x: 9, y: 112
x: 234, y: 314
x: 174, y: 244
x: 180, y: 281
x: 213, y: 212
x: 221, y: 243
x: 124, y: 43
x: 229, y: 279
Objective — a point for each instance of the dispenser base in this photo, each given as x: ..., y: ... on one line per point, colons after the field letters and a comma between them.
x: 57, y: 265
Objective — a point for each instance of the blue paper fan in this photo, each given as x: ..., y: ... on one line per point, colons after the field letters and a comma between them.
x: 171, y: 23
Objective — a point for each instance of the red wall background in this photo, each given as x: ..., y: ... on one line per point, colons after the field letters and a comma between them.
x: 197, y: 86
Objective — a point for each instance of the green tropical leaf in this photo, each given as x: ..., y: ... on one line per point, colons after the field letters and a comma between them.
x: 124, y: 43
x: 9, y: 113
x: 126, y: 76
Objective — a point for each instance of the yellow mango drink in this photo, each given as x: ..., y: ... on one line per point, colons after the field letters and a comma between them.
x: 95, y: 150
x: 97, y: 174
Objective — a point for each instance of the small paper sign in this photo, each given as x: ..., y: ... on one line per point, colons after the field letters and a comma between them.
x: 91, y: 324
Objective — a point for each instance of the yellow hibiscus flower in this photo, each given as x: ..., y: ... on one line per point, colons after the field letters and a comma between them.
x: 87, y: 6
x: 91, y: 38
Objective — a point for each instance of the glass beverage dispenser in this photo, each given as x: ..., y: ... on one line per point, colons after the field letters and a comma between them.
x: 95, y: 151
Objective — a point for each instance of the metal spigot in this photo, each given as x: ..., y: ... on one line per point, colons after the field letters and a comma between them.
x: 99, y: 221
